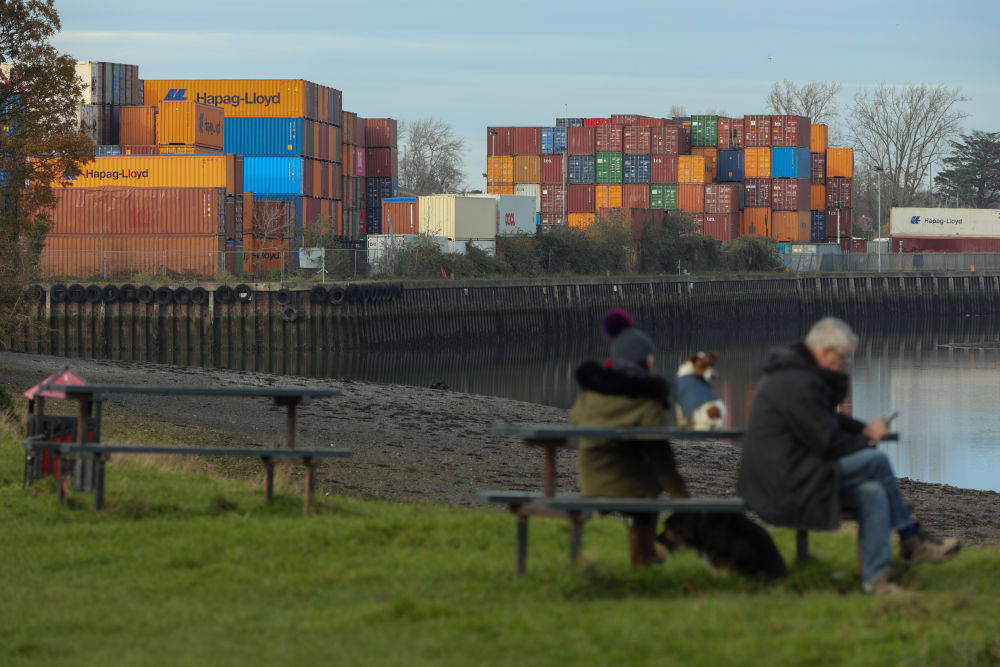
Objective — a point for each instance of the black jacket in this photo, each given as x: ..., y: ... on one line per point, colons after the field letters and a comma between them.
x: 788, y: 472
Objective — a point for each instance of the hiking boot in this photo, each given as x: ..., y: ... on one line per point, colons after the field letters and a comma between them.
x: 922, y: 547
x: 884, y: 584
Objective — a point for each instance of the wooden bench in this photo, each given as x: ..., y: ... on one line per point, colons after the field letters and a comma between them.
x: 101, y: 454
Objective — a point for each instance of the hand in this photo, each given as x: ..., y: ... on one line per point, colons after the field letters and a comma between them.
x: 875, y: 430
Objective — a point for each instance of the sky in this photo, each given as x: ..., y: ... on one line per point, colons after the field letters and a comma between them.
x: 526, y: 63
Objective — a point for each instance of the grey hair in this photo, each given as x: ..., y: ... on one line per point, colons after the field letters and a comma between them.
x: 833, y: 333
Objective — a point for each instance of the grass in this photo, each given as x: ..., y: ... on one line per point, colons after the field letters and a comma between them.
x: 188, y: 568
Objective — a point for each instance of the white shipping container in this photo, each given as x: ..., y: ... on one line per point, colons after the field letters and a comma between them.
x: 460, y: 247
x: 381, y: 247
x: 530, y: 190
x: 515, y: 215
x: 944, y: 222
x: 457, y: 217
x: 89, y: 119
x: 89, y: 74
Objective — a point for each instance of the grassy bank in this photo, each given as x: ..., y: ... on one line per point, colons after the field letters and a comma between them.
x: 187, y: 568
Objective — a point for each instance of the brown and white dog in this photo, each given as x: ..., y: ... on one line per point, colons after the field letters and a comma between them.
x: 697, y: 405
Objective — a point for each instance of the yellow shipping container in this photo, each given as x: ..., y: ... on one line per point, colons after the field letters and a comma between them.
x: 500, y: 189
x: 162, y: 171
x: 239, y: 97
x: 817, y: 197
x: 711, y: 156
x: 692, y: 169
x: 527, y: 169
x: 757, y: 162
x: 755, y: 222
x: 189, y: 123
x: 581, y: 220
x: 187, y: 150
x: 817, y: 138
x: 790, y: 226
x: 608, y: 196
x: 839, y: 162
x: 500, y: 169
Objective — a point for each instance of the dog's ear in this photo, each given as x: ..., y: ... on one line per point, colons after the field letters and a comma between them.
x: 713, y: 356
x: 694, y: 358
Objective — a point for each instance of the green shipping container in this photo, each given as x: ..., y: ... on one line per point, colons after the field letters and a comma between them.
x: 609, y: 168
x: 663, y: 197
x: 705, y: 131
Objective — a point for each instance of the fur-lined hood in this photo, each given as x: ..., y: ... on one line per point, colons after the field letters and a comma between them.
x: 631, y: 382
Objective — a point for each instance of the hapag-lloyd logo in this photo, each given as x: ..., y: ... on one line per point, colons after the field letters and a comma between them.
x: 116, y: 174
x: 207, y: 126
x: 180, y: 95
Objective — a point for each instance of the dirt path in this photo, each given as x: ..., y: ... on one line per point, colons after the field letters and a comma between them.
x: 429, y: 445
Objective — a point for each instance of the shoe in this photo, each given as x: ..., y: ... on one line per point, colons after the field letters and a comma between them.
x: 922, y: 547
x: 884, y: 584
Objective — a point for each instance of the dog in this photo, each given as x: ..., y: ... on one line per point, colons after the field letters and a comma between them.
x: 696, y: 404
x: 725, y: 541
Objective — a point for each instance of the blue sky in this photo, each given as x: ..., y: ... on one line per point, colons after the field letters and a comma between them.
x: 524, y: 63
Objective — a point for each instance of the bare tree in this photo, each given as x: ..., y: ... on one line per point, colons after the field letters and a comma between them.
x: 431, y: 162
x: 904, y: 130
x: 715, y: 111
x: 817, y: 100
x: 677, y: 111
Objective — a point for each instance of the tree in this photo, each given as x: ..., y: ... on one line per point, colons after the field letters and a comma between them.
x: 972, y: 174
x: 817, y: 100
x: 904, y: 129
x: 677, y: 111
x: 432, y: 157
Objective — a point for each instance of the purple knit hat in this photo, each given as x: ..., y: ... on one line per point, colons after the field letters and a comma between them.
x: 614, y: 322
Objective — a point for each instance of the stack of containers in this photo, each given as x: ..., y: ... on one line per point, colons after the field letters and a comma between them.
x: 353, y: 222
x: 839, y: 181
x: 381, y: 168
x: 106, y: 88
x: 817, y: 183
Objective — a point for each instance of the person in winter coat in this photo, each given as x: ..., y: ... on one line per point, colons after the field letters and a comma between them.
x: 624, y: 392
x: 803, y: 462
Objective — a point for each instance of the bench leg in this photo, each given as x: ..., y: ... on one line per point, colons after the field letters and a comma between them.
x: 268, y: 479
x: 575, y: 537
x: 99, y: 461
x: 801, y: 546
x: 521, y: 557
x: 307, y: 492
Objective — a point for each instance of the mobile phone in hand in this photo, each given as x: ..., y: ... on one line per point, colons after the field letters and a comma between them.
x: 888, y: 420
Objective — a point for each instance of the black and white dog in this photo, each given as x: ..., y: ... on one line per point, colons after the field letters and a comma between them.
x: 725, y: 541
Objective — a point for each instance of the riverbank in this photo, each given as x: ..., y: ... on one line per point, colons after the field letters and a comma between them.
x: 415, y: 444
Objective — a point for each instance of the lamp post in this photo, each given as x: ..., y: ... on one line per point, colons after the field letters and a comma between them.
x: 878, y: 173
x: 493, y: 154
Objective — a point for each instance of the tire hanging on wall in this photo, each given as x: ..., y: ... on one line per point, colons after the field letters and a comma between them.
x: 353, y: 293
x: 58, y: 293
x: 318, y: 294
x: 182, y: 296
x: 337, y: 295
x: 111, y: 294
x: 289, y: 314
x: 75, y: 293
x: 224, y: 294
x: 243, y: 292
x: 164, y: 295
x: 199, y: 296
x: 145, y: 294
x: 36, y: 293
x: 283, y: 297
x: 128, y: 293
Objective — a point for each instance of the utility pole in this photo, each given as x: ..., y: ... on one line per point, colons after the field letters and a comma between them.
x: 878, y: 172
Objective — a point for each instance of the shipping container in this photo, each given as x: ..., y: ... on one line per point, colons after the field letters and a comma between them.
x: 553, y: 140
x: 530, y: 190
x: 499, y: 169
x: 624, y: 119
x: 838, y: 192
x: 250, y: 97
x: 756, y: 222
x: 663, y: 169
x: 177, y: 149
x: 838, y: 223
x: 711, y: 156
x: 608, y: 138
x: 569, y: 122
x: 457, y: 217
x: 635, y: 169
x: 608, y: 168
x: 551, y: 169
x: 669, y: 139
x: 549, y: 220
x: 704, y: 131
x: 581, y: 199
x: 381, y: 162
x: 87, y: 256
x: 730, y: 134
x: 817, y: 140
x: 723, y: 198
x: 137, y: 150
x: 264, y: 254
x: 692, y: 169
x: 790, y: 194
x: 848, y: 244
x: 581, y: 169
x: 137, y: 126
x: 265, y: 137
x: 527, y: 141
x: 380, y: 133
x: 581, y: 220
x: 635, y: 140
x: 516, y: 215
x: 527, y: 169
x: 817, y: 198
x: 581, y: 141
x: 789, y: 162
x: 663, y: 197
x: 730, y: 167
x: 400, y: 215
x: 817, y: 226
x: 945, y: 222
x: 757, y: 162
x: 499, y: 140
x: 141, y: 211
x: 189, y: 124
x: 500, y: 188
x: 691, y: 198
x: 279, y: 216
x: 817, y: 168
x: 553, y: 198
x: 945, y: 244
x: 377, y: 189
x: 791, y: 131
x: 791, y: 226
x: 608, y: 196
x: 757, y: 192
x: 840, y: 163
x: 213, y: 171
x: 756, y: 131
x: 723, y: 227
x: 594, y: 122
x: 635, y: 196
x: 88, y: 118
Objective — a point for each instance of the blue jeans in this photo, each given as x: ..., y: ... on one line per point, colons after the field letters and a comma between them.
x: 868, y: 487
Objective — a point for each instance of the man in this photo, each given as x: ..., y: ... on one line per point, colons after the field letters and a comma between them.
x: 803, y: 462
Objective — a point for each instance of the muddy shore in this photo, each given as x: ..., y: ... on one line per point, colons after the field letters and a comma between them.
x: 427, y: 445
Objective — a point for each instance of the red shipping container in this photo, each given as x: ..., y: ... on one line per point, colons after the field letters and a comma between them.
x: 663, y: 169
x: 380, y: 133
x: 848, y: 244
x: 608, y: 138
x: 959, y: 244
x: 527, y: 141
x: 646, y: 121
x: 380, y: 163
x: 791, y: 131
x: 838, y: 192
x: 552, y: 169
x: 358, y: 131
x: 730, y: 134
x: 499, y: 141
x: 670, y: 139
x: 581, y: 199
x: 838, y: 219
x: 551, y: 219
x: 817, y: 168
x: 580, y: 141
x: 790, y: 194
x: 721, y: 226
x: 594, y: 122
x: 722, y: 198
x: 635, y: 196
x: 625, y: 119
x: 635, y: 140
x: 143, y: 212
x: 757, y: 193
x: 691, y: 198
x: 756, y: 131
x: 699, y: 222
x: 553, y: 199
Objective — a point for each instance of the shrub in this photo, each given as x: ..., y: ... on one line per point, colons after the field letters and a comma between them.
x: 753, y: 253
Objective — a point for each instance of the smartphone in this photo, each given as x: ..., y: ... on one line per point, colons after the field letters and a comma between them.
x: 888, y: 420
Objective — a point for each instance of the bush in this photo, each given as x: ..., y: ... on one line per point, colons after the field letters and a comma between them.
x: 753, y: 253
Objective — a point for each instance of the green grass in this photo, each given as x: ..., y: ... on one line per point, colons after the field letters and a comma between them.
x: 192, y: 569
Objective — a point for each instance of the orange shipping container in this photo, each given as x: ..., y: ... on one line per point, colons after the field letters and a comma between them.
x: 691, y: 198
x: 840, y: 163
x: 400, y: 216
x: 190, y: 124
x: 159, y: 171
x: 176, y: 149
x: 692, y: 169
x: 88, y: 256
x: 757, y: 163
x: 241, y: 97
x: 138, y: 211
x: 263, y: 254
x: 500, y: 169
x: 608, y: 196
x: 756, y: 222
x: 711, y: 156
x: 817, y: 197
x: 527, y: 169
x: 137, y: 126
x: 500, y: 188
x: 790, y: 226
x: 581, y: 220
x: 817, y: 138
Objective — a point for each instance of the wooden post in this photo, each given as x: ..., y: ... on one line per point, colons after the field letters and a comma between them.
x: 99, y: 460
x: 268, y: 479
x: 521, y: 556
x: 310, y: 465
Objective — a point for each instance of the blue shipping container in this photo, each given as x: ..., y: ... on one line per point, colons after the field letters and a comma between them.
x: 635, y: 169
x: 273, y: 175
x: 569, y: 122
x: 581, y: 169
x: 263, y: 137
x: 817, y: 227
x: 787, y: 162
x: 377, y: 189
x: 730, y: 167
x: 400, y: 200
x: 553, y: 140
x: 103, y: 151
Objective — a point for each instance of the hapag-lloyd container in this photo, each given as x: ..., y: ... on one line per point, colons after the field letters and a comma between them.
x: 691, y: 198
x: 663, y: 169
x: 553, y: 140
x: 608, y: 167
x: 817, y: 168
x: 553, y: 198
x: 190, y: 124
x: 499, y: 169
x: 581, y: 141
x: 838, y: 193
x: 789, y: 162
x: 945, y: 222
x: 457, y: 217
x: 791, y: 131
x: 400, y: 215
x: 756, y: 131
x: 635, y: 196
x: 265, y: 137
x: 581, y: 169
x: 527, y: 140
x: 527, y: 169
x: 723, y: 227
x: 608, y: 138
x: 949, y: 244
x: 289, y: 176
x: 790, y: 194
x: 551, y: 169
x: 757, y: 192
x: 137, y: 126
x: 635, y: 169
x: 183, y: 171
x: 251, y: 97
x: 138, y: 211
x: 722, y: 198
x: 499, y: 140
x: 608, y: 196
x: 87, y: 255
x: 730, y: 167
x: 380, y: 132
x: 663, y: 197
x: 581, y: 199
x: 635, y: 140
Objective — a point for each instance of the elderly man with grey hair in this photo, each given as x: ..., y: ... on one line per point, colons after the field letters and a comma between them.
x: 803, y: 462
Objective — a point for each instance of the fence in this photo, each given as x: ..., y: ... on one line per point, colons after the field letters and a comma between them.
x: 907, y: 261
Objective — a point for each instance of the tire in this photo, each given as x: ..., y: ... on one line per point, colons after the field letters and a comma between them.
x: 128, y: 293
x: 36, y: 293
x: 199, y: 296
x: 111, y: 294
x: 318, y: 294
x: 243, y: 292
x: 145, y: 294
x: 398, y: 292
x: 75, y: 293
x: 337, y: 295
x: 164, y: 296
x: 289, y: 314
x: 284, y: 297
x: 382, y: 292
x: 58, y: 293
x: 182, y: 296
x: 93, y: 293
x: 354, y: 293
x: 224, y: 294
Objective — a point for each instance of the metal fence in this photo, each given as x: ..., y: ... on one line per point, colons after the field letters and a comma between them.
x: 907, y: 261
